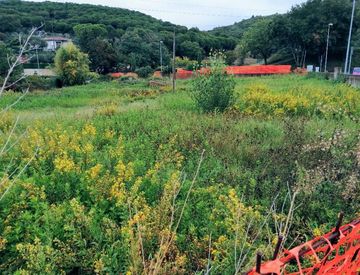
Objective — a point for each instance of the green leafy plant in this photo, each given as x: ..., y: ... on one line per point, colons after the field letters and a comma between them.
x: 144, y: 72
x: 214, y: 90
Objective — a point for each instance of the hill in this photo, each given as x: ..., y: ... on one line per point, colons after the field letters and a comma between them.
x: 16, y: 16
x: 298, y: 37
x: 238, y: 29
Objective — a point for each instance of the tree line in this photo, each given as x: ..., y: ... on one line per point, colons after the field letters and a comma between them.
x: 126, y: 39
x: 121, y: 40
x: 299, y: 37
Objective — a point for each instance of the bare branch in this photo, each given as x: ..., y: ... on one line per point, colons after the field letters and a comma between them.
x: 17, y: 61
x: 18, y: 175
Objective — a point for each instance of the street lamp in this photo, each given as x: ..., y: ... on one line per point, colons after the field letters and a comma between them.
x: 161, y: 57
x: 327, y: 46
x: 347, y: 69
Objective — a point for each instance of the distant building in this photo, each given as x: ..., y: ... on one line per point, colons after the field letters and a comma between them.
x: 55, y: 42
x: 39, y: 72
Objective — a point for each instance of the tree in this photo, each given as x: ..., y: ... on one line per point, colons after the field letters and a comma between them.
x: 87, y: 33
x: 9, y: 23
x: 302, y: 32
x: 138, y: 48
x: 92, y: 40
x: 102, y: 55
x: 4, y: 54
x: 258, y: 41
x: 72, y: 65
x: 191, y: 50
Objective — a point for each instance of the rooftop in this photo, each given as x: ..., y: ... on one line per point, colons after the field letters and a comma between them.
x: 56, y: 38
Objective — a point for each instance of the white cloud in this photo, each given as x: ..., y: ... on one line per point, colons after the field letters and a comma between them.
x: 204, y: 14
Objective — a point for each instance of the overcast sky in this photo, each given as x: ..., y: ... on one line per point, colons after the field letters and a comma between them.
x: 204, y: 14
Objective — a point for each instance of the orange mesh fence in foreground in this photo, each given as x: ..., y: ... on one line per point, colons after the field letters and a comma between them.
x: 337, y: 252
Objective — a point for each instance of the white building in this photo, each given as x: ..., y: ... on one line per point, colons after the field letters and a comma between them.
x: 53, y: 43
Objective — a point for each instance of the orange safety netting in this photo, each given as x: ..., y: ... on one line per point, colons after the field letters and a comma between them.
x: 258, y: 70
x: 233, y: 70
x: 183, y: 74
x: 117, y: 75
x: 337, y: 252
x: 240, y: 70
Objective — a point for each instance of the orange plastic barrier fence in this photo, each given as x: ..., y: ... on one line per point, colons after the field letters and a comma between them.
x: 258, y: 70
x: 117, y: 75
x: 241, y: 70
x: 183, y: 74
x: 337, y: 252
x: 233, y: 70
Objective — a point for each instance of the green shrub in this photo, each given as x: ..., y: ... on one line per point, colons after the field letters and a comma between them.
x: 214, y: 91
x: 144, y: 72
x: 316, y: 75
x: 127, y: 79
x: 72, y: 65
x: 40, y: 83
x: 186, y: 63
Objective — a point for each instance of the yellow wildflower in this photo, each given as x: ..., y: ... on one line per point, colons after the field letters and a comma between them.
x: 2, y: 243
x: 88, y: 148
x: 109, y: 134
x: 95, y: 171
x: 99, y: 266
x: 89, y: 130
x: 317, y: 232
x: 64, y: 163
x: 118, y: 192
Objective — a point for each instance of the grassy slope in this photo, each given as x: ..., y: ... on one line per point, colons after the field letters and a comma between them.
x: 240, y: 150
x: 257, y: 156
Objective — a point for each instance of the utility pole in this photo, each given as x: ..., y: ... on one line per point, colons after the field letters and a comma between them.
x: 161, y: 58
x: 350, y: 59
x: 321, y: 63
x: 173, y: 67
x: 327, y: 46
x: 37, y: 56
x: 347, y: 69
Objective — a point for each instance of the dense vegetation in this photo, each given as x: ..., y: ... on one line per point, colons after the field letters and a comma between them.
x: 114, y: 187
x: 134, y: 36
x: 127, y: 177
x: 299, y: 36
x: 119, y: 39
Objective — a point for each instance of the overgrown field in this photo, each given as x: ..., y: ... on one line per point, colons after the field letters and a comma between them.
x: 122, y: 178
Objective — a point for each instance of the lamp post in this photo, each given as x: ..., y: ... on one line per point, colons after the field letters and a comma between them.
x: 347, y: 69
x: 327, y: 46
x: 161, y: 57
